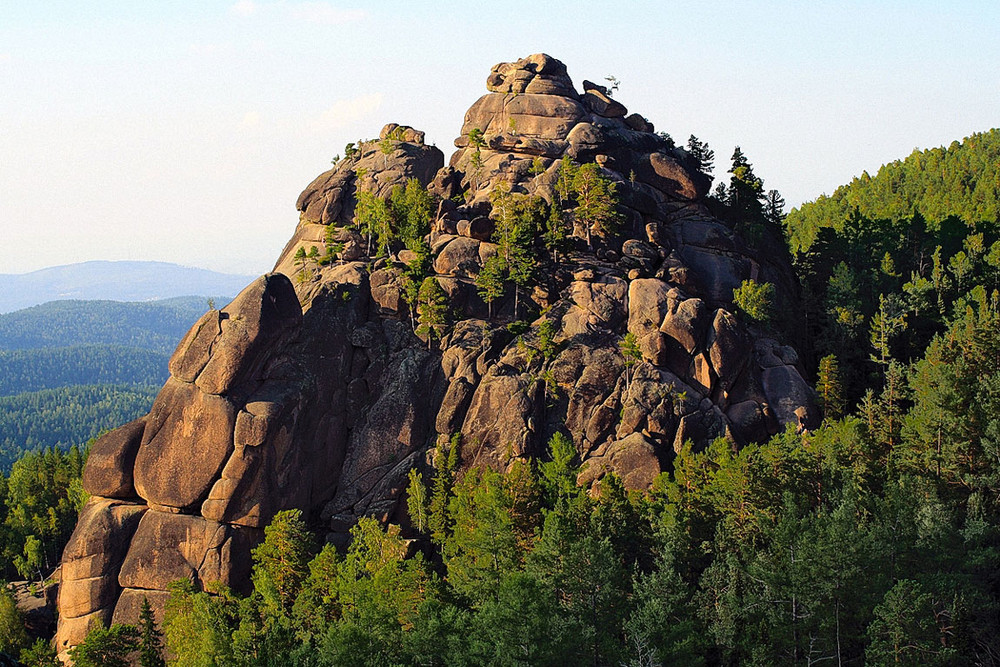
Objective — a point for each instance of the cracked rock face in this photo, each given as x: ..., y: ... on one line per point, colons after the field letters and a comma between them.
x: 310, y: 390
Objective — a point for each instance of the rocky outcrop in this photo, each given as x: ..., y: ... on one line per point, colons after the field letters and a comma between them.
x: 312, y: 391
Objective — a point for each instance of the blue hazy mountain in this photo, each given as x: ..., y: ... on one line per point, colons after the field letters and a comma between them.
x: 115, y: 281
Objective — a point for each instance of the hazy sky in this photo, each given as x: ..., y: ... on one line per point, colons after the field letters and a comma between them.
x: 184, y: 131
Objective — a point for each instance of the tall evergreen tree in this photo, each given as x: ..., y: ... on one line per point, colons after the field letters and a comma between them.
x: 703, y: 155
x: 774, y: 209
x: 829, y: 388
x: 745, y: 196
x: 150, y: 638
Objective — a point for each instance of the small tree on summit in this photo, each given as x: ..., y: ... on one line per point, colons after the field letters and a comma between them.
x: 774, y: 209
x: 702, y: 154
x: 746, y: 190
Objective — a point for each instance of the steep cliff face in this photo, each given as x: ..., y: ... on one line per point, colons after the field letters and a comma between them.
x: 311, y: 390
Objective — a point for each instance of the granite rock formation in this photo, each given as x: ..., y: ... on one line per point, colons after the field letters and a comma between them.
x: 310, y: 390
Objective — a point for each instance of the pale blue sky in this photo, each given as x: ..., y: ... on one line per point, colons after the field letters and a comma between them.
x: 183, y: 131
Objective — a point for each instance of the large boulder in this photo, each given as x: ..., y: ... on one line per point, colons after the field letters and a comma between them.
x: 187, y: 439
x: 634, y: 457
x: 111, y: 462
x: 538, y: 74
x: 167, y: 547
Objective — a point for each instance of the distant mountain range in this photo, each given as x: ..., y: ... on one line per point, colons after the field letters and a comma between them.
x: 115, y: 281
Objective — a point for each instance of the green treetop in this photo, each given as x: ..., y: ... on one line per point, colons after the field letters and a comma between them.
x: 595, y: 201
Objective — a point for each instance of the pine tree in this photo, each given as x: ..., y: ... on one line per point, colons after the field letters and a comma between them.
x: 505, y: 216
x: 151, y: 639
x: 774, y: 209
x: 702, y: 154
x: 595, y: 201
x: 490, y: 281
x: 631, y: 353
x: 746, y: 192
x: 521, y: 271
x: 829, y: 388
x: 721, y: 193
x: 477, y: 142
x: 564, y: 182
x: 887, y: 321
x: 417, y: 501
x: 555, y: 231
x: 446, y: 460
x: 373, y: 217
x: 410, y: 212
x: 432, y: 310
x: 280, y: 561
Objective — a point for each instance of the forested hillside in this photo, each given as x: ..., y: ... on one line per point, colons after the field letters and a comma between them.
x: 66, y: 416
x: 71, y: 369
x: 39, y: 501
x: 24, y: 371
x: 151, y: 325
x: 887, y: 261
x: 960, y: 182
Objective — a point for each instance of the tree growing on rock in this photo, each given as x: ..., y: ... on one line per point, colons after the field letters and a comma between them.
x: 386, y: 147
x: 595, y: 201
x: 410, y: 208
x: 629, y: 348
x: 555, y: 232
x: 490, y: 281
x: 477, y: 142
x: 564, y: 182
x: 522, y: 273
x: 516, y: 217
x: 702, y: 154
x: 373, y: 218
x: 746, y: 190
x: 432, y: 310
x: 755, y: 300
